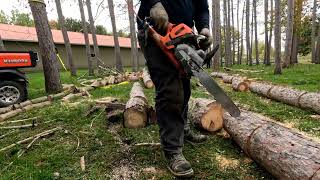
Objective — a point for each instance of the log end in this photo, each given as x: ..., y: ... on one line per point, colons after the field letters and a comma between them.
x: 212, y: 120
x: 149, y: 85
x: 134, y: 119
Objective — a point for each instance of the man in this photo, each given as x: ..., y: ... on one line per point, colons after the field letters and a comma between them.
x: 172, y: 90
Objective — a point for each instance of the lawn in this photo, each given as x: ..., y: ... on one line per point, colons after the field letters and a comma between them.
x: 58, y: 155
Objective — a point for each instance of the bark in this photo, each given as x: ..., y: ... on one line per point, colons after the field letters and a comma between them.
x: 115, y: 37
x: 318, y: 48
x: 206, y: 114
x: 2, y: 47
x: 94, y: 36
x: 218, y: 74
x: 296, y: 28
x: 314, y: 29
x: 134, y: 49
x: 228, y: 79
x: 240, y: 84
x: 256, y: 31
x: 136, y: 112
x: 233, y: 35
x: 277, y: 38
x: 249, y: 51
x: 47, y: 48
x: 289, y: 34
x: 86, y: 38
x: 227, y: 35
x: 266, y: 38
x: 147, y: 79
x: 217, y: 37
x: 286, y: 95
x: 238, y: 28
x: 270, y: 33
x: 67, y: 44
x: 310, y: 101
x: 242, y: 24
x: 261, y: 88
x: 285, y: 153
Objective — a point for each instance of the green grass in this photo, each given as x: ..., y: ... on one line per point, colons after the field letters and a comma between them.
x: 56, y: 153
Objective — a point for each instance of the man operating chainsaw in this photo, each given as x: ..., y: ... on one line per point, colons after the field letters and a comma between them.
x: 172, y: 90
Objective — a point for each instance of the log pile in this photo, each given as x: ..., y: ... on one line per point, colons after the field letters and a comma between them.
x: 136, y: 111
x: 147, y: 79
x: 133, y: 76
x: 110, y: 80
x: 206, y: 114
x: 285, y: 153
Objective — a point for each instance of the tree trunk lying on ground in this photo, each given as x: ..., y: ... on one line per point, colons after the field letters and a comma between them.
x: 136, y: 112
x: 288, y: 95
x: 218, y: 74
x: 228, y: 79
x: 240, y: 84
x: 147, y: 79
x: 285, y: 153
x: 206, y: 114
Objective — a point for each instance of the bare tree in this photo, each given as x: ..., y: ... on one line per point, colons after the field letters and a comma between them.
x: 228, y: 59
x: 134, y: 49
x: 217, y: 33
x: 233, y: 35
x: 242, y: 24
x: 94, y: 36
x: 296, y: 28
x: 115, y: 36
x: 277, y: 38
x: 256, y: 31
x: 249, y: 51
x: 317, y: 56
x: 2, y: 48
x: 67, y: 44
x: 86, y: 38
x: 47, y: 48
x: 238, y: 27
x: 270, y: 32
x: 266, y: 38
x: 289, y: 34
x: 314, y: 29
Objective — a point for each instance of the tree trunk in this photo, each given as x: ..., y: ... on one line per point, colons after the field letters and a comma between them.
x: 285, y: 153
x: 249, y: 51
x: 256, y: 31
x: 238, y: 28
x: 296, y: 28
x: 67, y: 44
x: 206, y: 114
x: 94, y: 36
x: 270, y: 33
x: 86, y: 38
x: 47, y: 48
x: 277, y: 38
x: 136, y: 113
x: 233, y: 35
x: 289, y: 34
x: 314, y: 29
x: 318, y: 48
x: 240, y: 84
x: 266, y: 38
x: 2, y: 48
x: 217, y: 29
x: 134, y: 49
x: 115, y: 37
x: 242, y: 24
x: 147, y: 79
x: 227, y: 40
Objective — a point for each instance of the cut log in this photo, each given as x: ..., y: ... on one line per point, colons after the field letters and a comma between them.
x: 310, y: 101
x: 136, y: 112
x: 261, y: 88
x: 86, y: 88
x: 218, y: 74
x: 283, y: 152
x: 206, y: 114
x: 111, y: 80
x: 39, y: 100
x: 147, y: 79
x: 240, y: 84
x: 6, y: 109
x: 286, y: 95
x: 96, y: 84
x: 228, y: 79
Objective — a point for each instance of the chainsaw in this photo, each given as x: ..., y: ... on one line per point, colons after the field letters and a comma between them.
x: 183, y: 48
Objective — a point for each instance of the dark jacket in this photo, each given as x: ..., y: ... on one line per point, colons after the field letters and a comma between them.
x: 180, y: 11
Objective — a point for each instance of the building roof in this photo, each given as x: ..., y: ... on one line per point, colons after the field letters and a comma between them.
x: 28, y: 34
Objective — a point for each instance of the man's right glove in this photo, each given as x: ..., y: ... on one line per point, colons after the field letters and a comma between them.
x: 159, y: 16
x: 206, y: 43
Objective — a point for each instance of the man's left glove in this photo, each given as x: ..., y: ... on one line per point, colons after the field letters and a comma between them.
x: 206, y: 43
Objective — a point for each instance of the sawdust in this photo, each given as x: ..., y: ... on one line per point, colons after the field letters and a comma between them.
x: 225, y: 162
x: 289, y: 125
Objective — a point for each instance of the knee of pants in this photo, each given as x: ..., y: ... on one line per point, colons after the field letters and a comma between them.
x: 171, y: 98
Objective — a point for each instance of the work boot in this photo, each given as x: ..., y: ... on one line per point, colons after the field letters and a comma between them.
x: 178, y: 165
x: 193, y: 138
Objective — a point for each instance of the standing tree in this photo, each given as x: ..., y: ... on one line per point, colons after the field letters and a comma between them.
x: 249, y: 51
x: 238, y: 35
x: 233, y: 35
x: 317, y: 56
x: 134, y: 49
x: 2, y: 48
x: 277, y: 38
x: 86, y: 38
x: 256, y: 31
x: 242, y: 24
x: 115, y: 36
x: 270, y: 32
x: 47, y: 48
x: 228, y: 59
x: 296, y: 28
x: 217, y: 34
x: 266, y: 38
x: 94, y: 36
x: 64, y: 31
x: 314, y: 29
x: 289, y: 34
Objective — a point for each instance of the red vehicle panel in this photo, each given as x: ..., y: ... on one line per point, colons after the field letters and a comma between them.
x: 18, y: 59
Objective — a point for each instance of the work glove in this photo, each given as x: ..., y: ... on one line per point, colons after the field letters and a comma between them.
x: 205, y: 43
x: 160, y: 17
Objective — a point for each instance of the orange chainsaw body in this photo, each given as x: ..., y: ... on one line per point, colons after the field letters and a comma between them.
x: 9, y: 60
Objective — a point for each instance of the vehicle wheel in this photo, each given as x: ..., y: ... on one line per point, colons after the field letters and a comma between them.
x: 11, y: 92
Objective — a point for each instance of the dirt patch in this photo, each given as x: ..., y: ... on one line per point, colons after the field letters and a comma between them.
x: 225, y: 162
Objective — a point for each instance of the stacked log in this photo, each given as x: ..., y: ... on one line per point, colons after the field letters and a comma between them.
x: 133, y: 76
x: 283, y: 152
x: 206, y: 114
x: 136, y: 111
x: 147, y: 79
